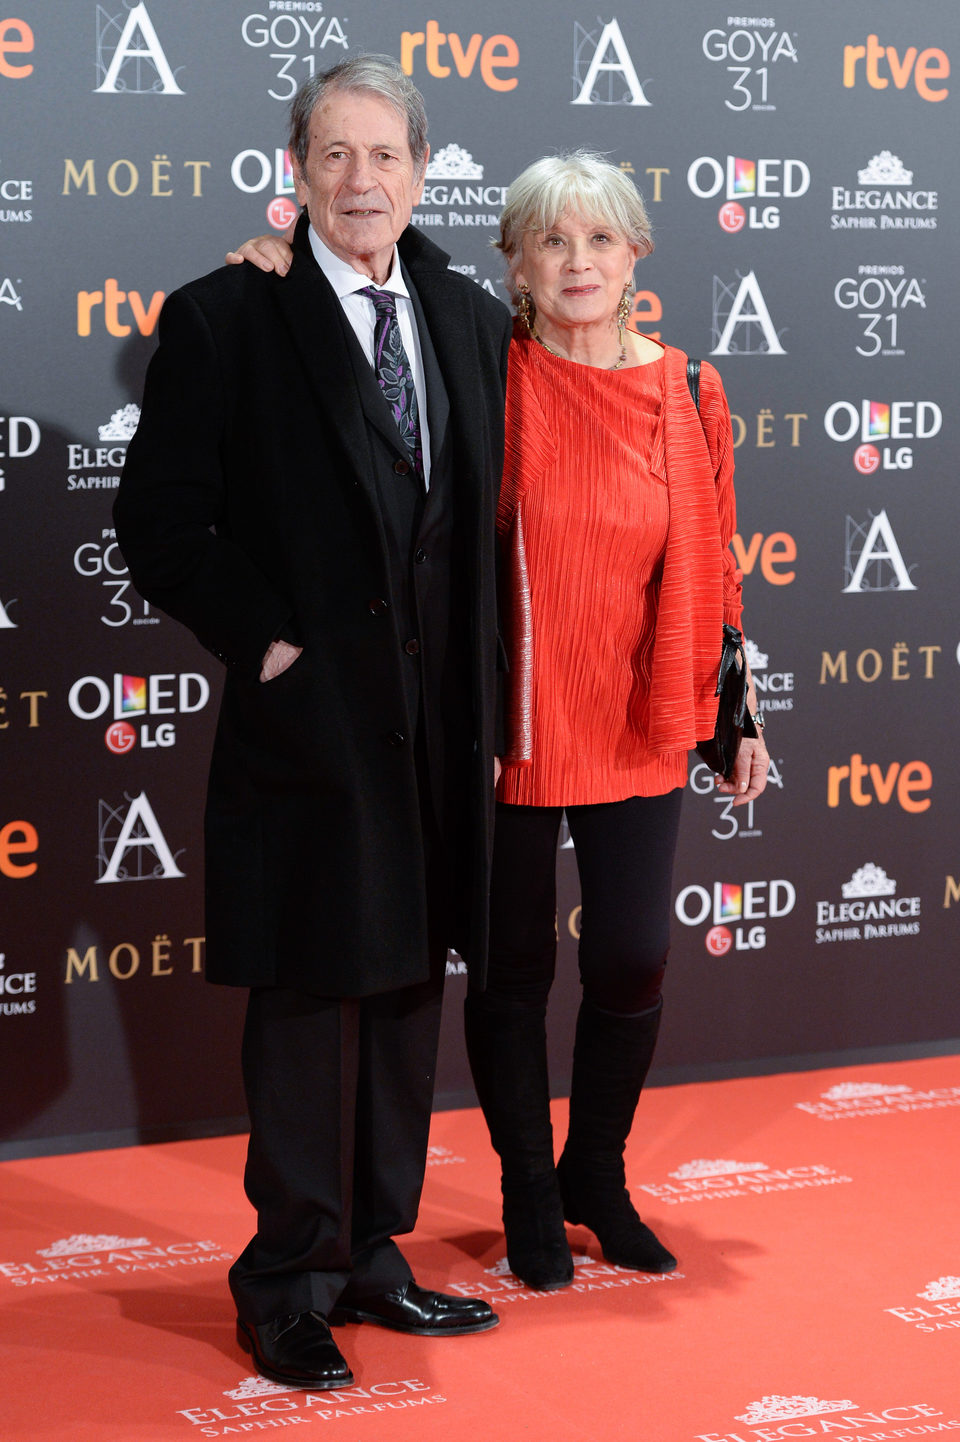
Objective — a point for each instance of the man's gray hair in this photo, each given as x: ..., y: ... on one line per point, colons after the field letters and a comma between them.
x: 582, y: 182
x: 378, y: 75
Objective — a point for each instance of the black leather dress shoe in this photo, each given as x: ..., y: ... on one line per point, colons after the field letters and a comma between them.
x: 412, y: 1309
x: 297, y: 1350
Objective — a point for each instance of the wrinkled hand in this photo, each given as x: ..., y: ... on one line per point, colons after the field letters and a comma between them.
x: 279, y: 655
x: 266, y: 252
x: 749, y: 772
x: 497, y: 768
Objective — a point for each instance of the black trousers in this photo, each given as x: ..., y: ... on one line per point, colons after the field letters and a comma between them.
x: 339, y: 1093
x: 625, y: 852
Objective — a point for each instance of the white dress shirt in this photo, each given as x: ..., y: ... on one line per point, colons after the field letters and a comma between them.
x: 360, y: 312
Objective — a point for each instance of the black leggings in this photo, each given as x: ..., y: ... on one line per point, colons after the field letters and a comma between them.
x: 625, y: 852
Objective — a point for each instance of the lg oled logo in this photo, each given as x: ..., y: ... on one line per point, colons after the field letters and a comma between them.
x: 130, y: 59
x: 880, y: 422
x: 252, y: 170
x: 748, y: 185
x: 883, y: 64
x: 603, y: 68
x: 741, y: 319
x: 134, y: 698
x: 22, y: 439
x: 736, y: 911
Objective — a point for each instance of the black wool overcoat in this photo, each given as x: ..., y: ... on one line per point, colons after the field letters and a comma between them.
x: 247, y: 510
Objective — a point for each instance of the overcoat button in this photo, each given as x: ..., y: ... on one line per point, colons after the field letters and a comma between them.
x: 377, y: 605
x: 396, y: 738
x: 420, y: 557
x: 412, y: 647
x: 401, y: 468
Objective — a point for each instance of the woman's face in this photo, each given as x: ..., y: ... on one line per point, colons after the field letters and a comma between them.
x: 576, y: 272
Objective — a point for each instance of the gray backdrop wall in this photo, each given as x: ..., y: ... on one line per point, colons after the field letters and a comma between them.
x: 801, y: 169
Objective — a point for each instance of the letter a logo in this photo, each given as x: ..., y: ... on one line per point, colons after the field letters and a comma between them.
x: 134, y: 68
x: 877, y: 549
x: 625, y: 91
x: 139, y: 832
x: 759, y: 336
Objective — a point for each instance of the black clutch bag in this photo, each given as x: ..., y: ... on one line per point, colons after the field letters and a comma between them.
x: 733, y: 720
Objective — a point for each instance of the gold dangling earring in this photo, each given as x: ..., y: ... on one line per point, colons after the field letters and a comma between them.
x: 625, y: 307
x: 526, y: 309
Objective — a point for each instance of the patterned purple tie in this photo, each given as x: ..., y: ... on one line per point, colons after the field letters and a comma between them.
x: 394, y: 374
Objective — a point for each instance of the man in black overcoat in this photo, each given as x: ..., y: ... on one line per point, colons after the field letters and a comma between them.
x: 312, y: 490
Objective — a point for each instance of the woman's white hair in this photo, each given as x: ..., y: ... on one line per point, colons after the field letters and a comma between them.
x: 581, y: 182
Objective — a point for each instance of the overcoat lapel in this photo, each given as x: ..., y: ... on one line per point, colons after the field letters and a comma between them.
x: 315, y: 320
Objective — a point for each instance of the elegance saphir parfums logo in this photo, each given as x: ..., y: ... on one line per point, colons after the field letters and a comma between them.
x: 848, y: 1100
x: 940, y: 1309
x: 780, y: 1416
x: 706, y: 1180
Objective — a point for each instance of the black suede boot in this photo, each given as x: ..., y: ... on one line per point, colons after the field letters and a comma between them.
x: 507, y: 1048
x: 610, y: 1062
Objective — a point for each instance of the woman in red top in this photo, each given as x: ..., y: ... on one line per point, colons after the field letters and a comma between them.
x: 615, y: 516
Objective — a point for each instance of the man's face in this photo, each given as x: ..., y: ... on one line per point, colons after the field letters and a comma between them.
x: 359, y: 184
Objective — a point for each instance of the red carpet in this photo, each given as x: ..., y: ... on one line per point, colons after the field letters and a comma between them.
x: 814, y: 1215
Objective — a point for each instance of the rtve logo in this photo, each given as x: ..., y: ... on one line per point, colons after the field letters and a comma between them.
x: 497, y: 52
x: 931, y: 64
x: 775, y: 551
x: 112, y: 298
x: 16, y: 37
x: 868, y: 780
x: 17, y: 838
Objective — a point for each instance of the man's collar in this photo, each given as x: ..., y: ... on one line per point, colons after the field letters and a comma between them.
x: 342, y: 276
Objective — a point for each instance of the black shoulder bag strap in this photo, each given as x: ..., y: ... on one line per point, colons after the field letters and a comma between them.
x: 732, y: 654
x: 693, y: 381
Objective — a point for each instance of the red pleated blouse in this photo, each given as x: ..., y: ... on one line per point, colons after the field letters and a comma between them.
x: 585, y: 517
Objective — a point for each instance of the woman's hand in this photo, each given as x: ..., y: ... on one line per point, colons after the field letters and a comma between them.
x: 266, y: 252
x: 749, y: 772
